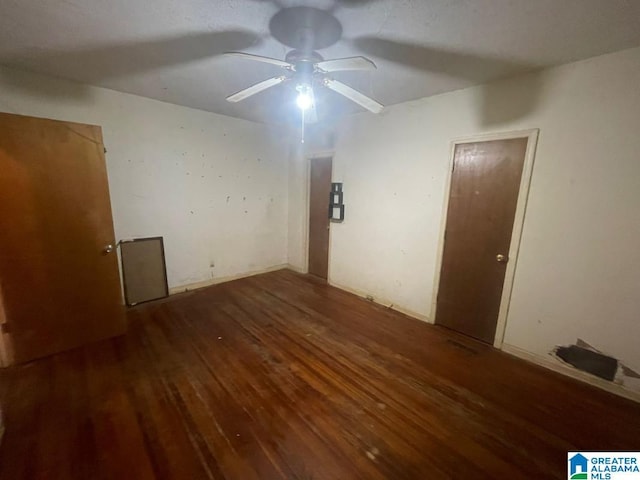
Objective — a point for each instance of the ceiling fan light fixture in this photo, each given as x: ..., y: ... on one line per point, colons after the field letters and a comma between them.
x: 304, y: 101
x: 305, y: 97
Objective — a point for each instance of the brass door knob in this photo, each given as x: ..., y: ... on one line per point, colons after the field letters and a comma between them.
x: 108, y: 249
x: 501, y: 258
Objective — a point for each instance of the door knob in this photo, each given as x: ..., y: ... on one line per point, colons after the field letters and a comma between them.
x: 501, y: 258
x: 108, y: 249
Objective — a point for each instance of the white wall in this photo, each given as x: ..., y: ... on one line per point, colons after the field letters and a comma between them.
x: 215, y: 187
x: 297, y: 221
x: 578, y: 273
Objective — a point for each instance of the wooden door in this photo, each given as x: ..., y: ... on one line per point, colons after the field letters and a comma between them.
x: 60, y: 285
x: 320, y: 190
x: 482, y: 203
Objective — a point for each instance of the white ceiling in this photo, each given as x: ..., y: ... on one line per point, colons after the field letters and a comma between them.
x: 126, y: 45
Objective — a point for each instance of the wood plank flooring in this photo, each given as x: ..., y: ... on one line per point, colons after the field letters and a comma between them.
x: 280, y: 377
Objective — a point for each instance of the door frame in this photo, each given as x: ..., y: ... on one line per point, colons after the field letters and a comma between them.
x: 308, y: 158
x: 518, y: 223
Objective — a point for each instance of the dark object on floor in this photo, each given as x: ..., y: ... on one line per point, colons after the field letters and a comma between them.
x: 589, y: 361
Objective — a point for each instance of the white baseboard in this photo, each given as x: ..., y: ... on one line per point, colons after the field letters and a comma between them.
x: 560, y: 367
x: 383, y: 302
x: 217, y: 280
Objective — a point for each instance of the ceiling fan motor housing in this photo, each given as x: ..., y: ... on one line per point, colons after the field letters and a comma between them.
x: 305, y: 28
x: 303, y: 64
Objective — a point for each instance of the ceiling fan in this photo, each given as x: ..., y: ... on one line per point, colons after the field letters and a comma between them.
x: 308, y: 29
x: 304, y: 29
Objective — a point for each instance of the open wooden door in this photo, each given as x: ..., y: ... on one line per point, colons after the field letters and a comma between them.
x: 59, y: 277
x: 485, y: 184
x: 319, y: 191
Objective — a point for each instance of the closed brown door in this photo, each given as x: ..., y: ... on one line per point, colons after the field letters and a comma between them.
x: 482, y: 203
x: 59, y: 277
x: 320, y: 189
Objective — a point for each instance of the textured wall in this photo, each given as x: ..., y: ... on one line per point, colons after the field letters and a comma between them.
x: 215, y: 187
x: 578, y: 273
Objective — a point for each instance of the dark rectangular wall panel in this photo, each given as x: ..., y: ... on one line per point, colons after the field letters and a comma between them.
x: 589, y: 361
x: 144, y: 270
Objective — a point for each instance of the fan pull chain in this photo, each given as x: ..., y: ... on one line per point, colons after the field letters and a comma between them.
x: 302, y: 137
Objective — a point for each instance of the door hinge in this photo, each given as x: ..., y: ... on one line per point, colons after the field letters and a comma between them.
x: 105, y: 149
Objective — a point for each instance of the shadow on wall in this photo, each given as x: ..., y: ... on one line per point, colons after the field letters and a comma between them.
x: 507, y: 101
x: 320, y: 137
x: 502, y: 101
x: 33, y: 86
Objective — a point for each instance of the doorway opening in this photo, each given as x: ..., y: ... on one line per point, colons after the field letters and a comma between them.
x: 319, y: 198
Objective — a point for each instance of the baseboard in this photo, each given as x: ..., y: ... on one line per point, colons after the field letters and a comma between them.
x: 383, y: 302
x: 297, y: 269
x: 217, y: 280
x: 564, y: 369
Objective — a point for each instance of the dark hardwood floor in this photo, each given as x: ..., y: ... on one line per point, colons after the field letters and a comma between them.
x: 278, y: 376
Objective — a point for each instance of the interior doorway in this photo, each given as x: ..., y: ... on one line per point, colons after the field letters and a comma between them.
x: 319, y: 195
x: 485, y: 211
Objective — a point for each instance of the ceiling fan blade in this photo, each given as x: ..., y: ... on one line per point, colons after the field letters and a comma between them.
x: 123, y: 58
x: 464, y: 65
x: 350, y: 63
x: 354, y: 95
x: 259, y: 58
x: 257, y: 88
